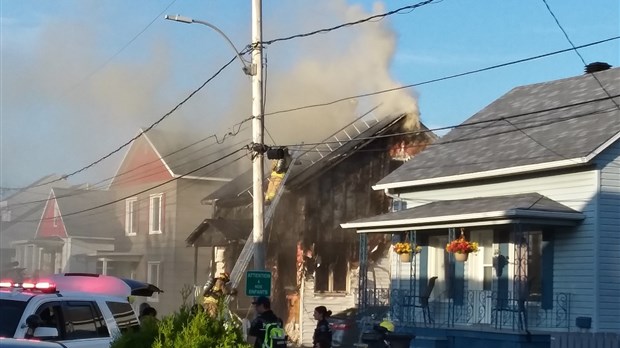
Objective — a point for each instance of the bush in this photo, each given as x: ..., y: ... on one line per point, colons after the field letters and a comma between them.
x: 184, y: 329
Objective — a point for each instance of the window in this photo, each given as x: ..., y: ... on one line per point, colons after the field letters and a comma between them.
x: 29, y: 258
x: 124, y: 316
x: 332, y: 273
x: 152, y: 276
x: 12, y: 312
x: 83, y: 320
x: 50, y: 316
x: 56, y: 214
x: 534, y: 265
x: 131, y: 216
x: 155, y: 213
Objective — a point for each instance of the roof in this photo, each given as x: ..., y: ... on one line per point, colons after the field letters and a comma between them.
x: 234, y: 191
x: 219, y: 232
x: 88, y: 213
x: 26, y: 206
x: 541, y: 126
x: 183, y: 152
x: 475, y: 211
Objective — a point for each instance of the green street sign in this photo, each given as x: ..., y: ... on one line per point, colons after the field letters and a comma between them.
x: 258, y: 283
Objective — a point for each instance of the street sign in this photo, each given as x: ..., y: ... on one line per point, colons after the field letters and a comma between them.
x: 258, y: 283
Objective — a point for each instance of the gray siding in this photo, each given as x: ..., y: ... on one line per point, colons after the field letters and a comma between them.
x: 608, y: 240
x: 574, y: 256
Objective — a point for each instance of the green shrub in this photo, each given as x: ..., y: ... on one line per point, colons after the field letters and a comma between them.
x: 185, y: 329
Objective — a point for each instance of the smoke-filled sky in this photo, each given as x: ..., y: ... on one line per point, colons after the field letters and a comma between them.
x: 69, y: 96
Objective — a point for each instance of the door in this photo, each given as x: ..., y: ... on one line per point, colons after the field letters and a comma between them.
x: 480, y: 276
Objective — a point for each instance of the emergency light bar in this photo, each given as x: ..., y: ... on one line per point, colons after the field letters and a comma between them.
x: 41, y: 286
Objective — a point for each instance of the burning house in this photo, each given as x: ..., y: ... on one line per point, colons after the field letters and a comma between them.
x: 313, y: 262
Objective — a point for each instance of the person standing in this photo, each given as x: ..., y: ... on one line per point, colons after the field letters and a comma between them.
x: 323, y: 333
x: 265, y: 317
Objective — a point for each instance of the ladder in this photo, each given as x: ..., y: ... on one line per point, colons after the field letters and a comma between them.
x: 308, y: 158
x: 248, y: 249
x: 339, y: 138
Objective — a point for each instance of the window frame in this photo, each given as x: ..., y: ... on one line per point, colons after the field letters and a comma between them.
x: 152, y: 197
x: 131, y: 214
x: 330, y: 280
x: 149, y: 279
x: 97, y: 319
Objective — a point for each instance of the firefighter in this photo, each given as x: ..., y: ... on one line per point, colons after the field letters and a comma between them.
x: 215, y: 290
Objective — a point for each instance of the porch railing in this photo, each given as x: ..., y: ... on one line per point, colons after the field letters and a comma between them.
x: 477, y: 308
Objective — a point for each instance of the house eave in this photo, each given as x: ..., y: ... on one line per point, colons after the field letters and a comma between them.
x: 205, y: 178
x: 451, y: 220
x: 571, y: 162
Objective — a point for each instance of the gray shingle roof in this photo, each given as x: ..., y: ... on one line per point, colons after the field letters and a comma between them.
x: 487, y: 142
x: 445, y: 211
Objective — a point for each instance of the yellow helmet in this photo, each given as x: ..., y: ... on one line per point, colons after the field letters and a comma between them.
x: 388, y: 325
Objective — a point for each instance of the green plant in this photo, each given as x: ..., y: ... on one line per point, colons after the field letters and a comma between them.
x: 186, y: 328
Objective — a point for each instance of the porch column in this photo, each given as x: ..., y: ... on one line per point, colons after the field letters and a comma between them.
x: 104, y: 266
x: 362, y: 299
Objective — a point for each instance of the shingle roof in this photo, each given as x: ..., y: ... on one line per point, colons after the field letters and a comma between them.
x: 184, y: 152
x: 509, y: 206
x: 304, y: 173
x: 573, y: 126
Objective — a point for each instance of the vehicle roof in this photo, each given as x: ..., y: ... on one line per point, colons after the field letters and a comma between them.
x: 23, y: 343
x: 25, y: 295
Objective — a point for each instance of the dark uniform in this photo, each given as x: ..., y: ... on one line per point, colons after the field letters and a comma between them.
x: 257, y: 329
x: 322, y: 335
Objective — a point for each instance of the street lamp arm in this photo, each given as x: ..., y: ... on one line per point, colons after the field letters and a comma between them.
x: 178, y: 18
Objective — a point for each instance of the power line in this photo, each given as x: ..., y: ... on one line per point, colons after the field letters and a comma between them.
x: 153, y: 125
x: 147, y: 189
x: 504, y: 118
x: 557, y: 21
x: 105, y: 63
x: 408, y: 8
x: 449, y: 77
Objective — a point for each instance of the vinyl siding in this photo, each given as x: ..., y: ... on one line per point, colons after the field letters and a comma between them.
x: 574, y: 254
x: 608, y: 239
x: 378, y: 278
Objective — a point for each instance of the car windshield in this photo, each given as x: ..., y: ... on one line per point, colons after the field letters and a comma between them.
x: 12, y: 312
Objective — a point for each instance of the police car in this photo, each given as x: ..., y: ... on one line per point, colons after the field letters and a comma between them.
x: 76, y: 310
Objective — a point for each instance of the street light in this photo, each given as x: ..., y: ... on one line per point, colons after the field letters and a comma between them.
x: 255, y: 69
x: 248, y: 70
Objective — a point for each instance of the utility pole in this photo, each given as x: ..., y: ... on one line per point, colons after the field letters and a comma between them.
x: 258, y: 125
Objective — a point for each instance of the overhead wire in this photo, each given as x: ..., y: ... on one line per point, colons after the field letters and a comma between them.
x: 444, y: 78
x: 557, y: 21
x: 230, y: 154
x: 408, y: 8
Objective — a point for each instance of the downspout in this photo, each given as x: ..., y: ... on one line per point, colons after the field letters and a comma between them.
x: 397, y: 267
x: 597, y: 273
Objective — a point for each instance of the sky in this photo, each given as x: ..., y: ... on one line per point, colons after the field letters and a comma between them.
x: 80, y: 77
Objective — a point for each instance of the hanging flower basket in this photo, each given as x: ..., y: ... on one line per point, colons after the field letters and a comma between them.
x: 461, y: 257
x: 405, y: 257
x: 461, y: 248
x: 406, y: 250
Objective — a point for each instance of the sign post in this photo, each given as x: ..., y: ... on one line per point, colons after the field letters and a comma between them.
x: 258, y: 283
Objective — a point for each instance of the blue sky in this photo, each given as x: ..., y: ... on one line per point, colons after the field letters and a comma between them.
x: 69, y: 97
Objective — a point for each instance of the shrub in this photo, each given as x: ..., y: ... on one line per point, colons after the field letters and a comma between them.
x: 186, y: 328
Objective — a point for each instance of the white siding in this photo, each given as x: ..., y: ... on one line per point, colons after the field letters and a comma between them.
x: 574, y: 255
x: 608, y: 240
x: 378, y: 278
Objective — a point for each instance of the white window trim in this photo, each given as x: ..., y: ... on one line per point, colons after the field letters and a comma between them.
x: 56, y: 214
x: 129, y: 214
x: 151, y: 198
x: 149, y: 279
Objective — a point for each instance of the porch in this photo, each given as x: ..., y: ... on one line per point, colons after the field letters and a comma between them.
x: 504, y: 292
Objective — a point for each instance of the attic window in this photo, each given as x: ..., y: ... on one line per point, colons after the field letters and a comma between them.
x: 56, y: 214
